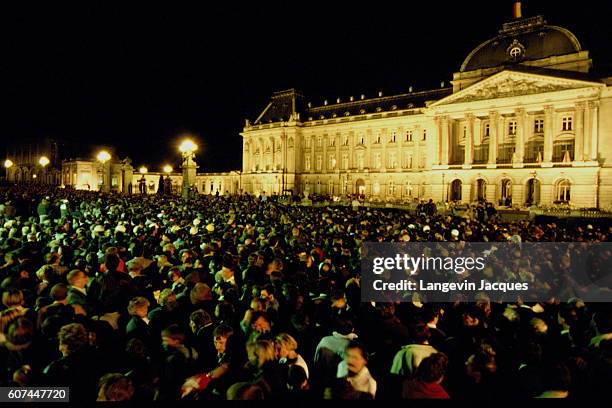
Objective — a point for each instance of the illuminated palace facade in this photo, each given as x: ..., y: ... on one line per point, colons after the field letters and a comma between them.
x: 524, y: 121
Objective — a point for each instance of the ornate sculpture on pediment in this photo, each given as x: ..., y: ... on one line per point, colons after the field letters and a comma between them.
x: 509, y: 87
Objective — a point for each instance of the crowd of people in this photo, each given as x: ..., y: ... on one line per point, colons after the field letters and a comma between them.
x: 148, y: 298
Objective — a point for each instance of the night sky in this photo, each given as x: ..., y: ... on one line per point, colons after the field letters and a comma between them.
x: 135, y: 77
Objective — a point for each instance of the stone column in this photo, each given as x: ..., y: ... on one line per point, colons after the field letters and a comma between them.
x: 468, y: 157
x: 444, y: 124
x: 324, y: 163
x: 466, y: 192
x: 519, y: 144
x: 548, y: 135
x: 527, y: 131
x: 398, y: 151
x: 493, y: 129
x: 438, y: 146
x: 415, y: 152
x: 594, y: 108
x: 587, y: 133
x: 313, y: 147
x: 579, y: 139
x: 338, y: 158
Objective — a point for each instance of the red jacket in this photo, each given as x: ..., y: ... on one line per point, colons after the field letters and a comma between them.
x: 420, y: 390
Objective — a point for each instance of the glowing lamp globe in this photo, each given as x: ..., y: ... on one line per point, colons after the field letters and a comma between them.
x: 103, y: 156
x: 188, y: 146
x: 43, y: 161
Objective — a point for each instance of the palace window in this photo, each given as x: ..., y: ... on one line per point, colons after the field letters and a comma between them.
x: 332, y: 162
x: 307, y: 162
x: 307, y: 142
x: 361, y: 140
x: 378, y: 139
x: 377, y: 161
x: 332, y: 141
x: 424, y: 134
x: 409, y: 136
x: 566, y: 123
x: 360, y: 162
x: 319, y: 162
x: 487, y: 130
x: 392, y: 139
x: 512, y: 127
x: 408, y: 189
x: 407, y: 161
x: 376, y: 188
x: 563, y: 151
x: 392, y: 160
x: 391, y: 187
x: 562, y: 191
x: 345, y: 161
x: 319, y: 141
x: 538, y: 126
x: 346, y: 140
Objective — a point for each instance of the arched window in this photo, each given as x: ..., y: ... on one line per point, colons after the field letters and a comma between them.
x: 455, y: 190
x: 506, y: 192
x: 563, y: 191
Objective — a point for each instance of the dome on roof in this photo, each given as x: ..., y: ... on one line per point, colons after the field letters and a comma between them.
x: 522, y: 40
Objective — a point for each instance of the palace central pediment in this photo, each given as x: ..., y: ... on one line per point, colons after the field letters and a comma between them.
x: 508, y: 84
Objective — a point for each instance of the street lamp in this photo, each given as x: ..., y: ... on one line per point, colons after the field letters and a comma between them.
x: 8, y: 163
x: 143, y: 170
x: 168, y: 169
x: 44, y: 162
x: 188, y: 147
x: 189, y: 166
x: 103, y: 157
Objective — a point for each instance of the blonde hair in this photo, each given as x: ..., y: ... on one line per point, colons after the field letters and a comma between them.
x: 287, y: 341
x: 263, y: 350
x: 137, y: 303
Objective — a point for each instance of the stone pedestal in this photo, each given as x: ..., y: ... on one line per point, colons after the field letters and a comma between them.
x: 189, y: 174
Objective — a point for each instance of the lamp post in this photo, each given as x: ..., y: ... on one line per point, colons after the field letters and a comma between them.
x: 104, y: 157
x: 44, y: 162
x: 142, y: 183
x: 189, y: 166
x: 8, y: 163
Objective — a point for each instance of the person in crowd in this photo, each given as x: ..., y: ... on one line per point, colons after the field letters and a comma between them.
x: 139, y: 324
x: 179, y: 362
x: 76, y: 368
x: 115, y: 387
x: 286, y: 347
x: 427, y: 383
x: 408, y: 359
x: 354, y: 369
x: 77, y: 292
